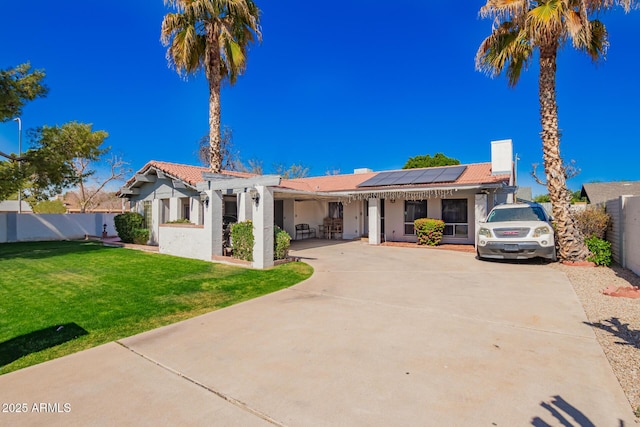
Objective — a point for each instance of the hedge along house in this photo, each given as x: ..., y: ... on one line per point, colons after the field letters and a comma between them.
x: 379, y: 205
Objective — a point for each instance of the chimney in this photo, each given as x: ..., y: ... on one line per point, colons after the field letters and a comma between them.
x: 362, y: 170
x: 501, y: 157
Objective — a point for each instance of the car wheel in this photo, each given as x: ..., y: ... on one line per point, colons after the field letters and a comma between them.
x: 554, y: 256
x: 478, y: 255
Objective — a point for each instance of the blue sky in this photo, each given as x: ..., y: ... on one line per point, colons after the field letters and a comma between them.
x: 333, y: 86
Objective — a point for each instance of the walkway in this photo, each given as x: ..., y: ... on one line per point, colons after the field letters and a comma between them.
x: 378, y: 336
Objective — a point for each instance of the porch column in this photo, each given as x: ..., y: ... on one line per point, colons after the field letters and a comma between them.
x: 244, y: 207
x: 213, y: 221
x: 262, y: 212
x: 374, y: 221
x: 174, y: 208
x: 195, y: 214
x: 480, y: 212
x: 156, y: 213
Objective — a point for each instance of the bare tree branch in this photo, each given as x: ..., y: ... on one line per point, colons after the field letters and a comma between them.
x: 570, y: 170
x: 118, y: 171
x: 12, y: 157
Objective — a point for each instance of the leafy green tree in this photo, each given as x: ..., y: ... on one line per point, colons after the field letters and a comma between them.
x: 542, y: 198
x: 427, y: 161
x: 520, y: 27
x: 576, y: 196
x: 51, y: 164
x: 213, y: 35
x: 18, y: 86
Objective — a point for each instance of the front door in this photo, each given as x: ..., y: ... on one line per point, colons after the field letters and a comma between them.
x: 278, y: 213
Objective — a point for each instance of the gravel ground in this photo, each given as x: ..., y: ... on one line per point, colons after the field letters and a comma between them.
x: 615, y: 321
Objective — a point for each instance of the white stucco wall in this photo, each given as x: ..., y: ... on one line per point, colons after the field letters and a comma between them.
x: 310, y: 212
x: 394, y: 221
x: 394, y: 218
x: 183, y: 240
x: 161, y: 189
x: 289, y: 217
x: 41, y: 227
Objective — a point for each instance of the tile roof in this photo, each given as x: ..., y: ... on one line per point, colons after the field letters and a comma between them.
x: 601, y: 192
x: 474, y: 174
x: 189, y: 174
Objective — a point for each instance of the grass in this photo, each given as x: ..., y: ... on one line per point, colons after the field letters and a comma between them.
x: 57, y: 298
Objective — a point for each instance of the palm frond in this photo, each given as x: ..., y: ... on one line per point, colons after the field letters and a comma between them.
x: 506, y: 49
x: 600, y: 5
x: 504, y: 10
x: 234, y: 22
x: 599, y: 43
x: 545, y: 21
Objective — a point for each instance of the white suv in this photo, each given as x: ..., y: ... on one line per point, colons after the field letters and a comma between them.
x: 516, y: 231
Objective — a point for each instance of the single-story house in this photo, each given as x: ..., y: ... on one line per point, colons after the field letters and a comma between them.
x: 599, y: 193
x: 381, y: 206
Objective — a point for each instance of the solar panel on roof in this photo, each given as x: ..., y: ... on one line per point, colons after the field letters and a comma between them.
x: 373, y: 181
x: 386, y: 178
x: 426, y: 177
x: 399, y: 178
x: 417, y: 176
x: 451, y: 174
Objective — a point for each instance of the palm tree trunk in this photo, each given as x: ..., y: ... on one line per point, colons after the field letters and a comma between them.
x: 214, y: 77
x: 572, y: 247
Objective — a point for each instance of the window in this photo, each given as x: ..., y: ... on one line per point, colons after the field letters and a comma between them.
x: 186, y: 208
x: 413, y: 209
x: 146, y: 212
x: 454, y: 215
x: 231, y: 208
x: 335, y: 210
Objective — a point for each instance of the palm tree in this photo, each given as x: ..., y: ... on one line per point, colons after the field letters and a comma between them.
x: 212, y: 35
x: 521, y: 26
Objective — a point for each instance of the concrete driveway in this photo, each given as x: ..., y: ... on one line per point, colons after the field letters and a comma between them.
x: 378, y: 336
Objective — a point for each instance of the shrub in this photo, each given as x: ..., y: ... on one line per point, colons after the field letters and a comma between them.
x: 126, y: 224
x: 140, y: 236
x: 600, y: 251
x: 281, y: 243
x: 429, y: 231
x: 592, y: 221
x: 179, y: 221
x: 242, y: 238
x: 50, y: 207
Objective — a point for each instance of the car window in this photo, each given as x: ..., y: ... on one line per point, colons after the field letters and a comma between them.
x: 530, y: 213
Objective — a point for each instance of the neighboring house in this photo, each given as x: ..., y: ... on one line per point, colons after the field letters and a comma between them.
x: 12, y: 206
x: 601, y: 192
x: 524, y: 194
x: 379, y: 205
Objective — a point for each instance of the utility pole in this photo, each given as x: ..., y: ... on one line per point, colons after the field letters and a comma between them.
x: 17, y: 119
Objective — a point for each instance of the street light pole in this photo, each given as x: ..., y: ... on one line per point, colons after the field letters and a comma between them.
x: 17, y: 119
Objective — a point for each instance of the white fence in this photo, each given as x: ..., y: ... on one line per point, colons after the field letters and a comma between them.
x: 624, y: 232
x: 39, y: 227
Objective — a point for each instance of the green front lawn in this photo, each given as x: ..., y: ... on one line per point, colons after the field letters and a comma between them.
x: 58, y: 298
